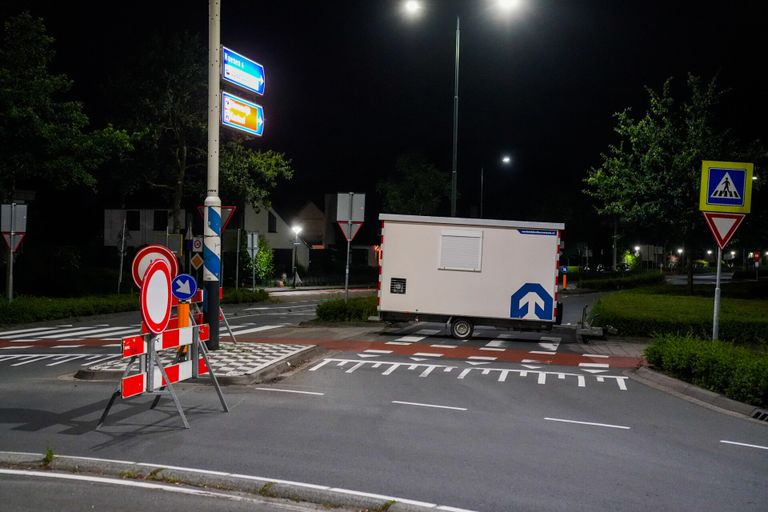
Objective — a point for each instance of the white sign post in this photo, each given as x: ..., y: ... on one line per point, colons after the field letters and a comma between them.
x: 350, y: 211
x: 253, y: 249
x: 13, y: 218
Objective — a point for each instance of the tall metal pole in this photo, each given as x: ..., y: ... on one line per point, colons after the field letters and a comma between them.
x: 481, y: 192
x: 237, y: 261
x: 716, y: 315
x: 212, y: 209
x: 295, y: 243
x: 122, y: 252
x: 10, y: 254
x: 349, y: 242
x: 455, y: 122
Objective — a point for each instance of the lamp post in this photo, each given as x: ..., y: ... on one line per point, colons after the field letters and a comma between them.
x: 296, y: 230
x: 505, y: 160
x: 414, y: 9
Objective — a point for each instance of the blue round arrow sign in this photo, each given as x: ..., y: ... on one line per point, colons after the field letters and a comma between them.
x: 183, y: 286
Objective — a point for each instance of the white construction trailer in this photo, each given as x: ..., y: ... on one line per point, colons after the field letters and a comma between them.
x: 468, y: 272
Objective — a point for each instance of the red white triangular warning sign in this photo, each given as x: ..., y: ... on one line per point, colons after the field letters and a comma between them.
x: 17, y: 238
x: 723, y: 225
x: 345, y: 228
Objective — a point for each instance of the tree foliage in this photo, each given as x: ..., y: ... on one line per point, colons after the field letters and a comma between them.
x: 416, y: 187
x: 650, y: 179
x: 44, y: 139
x: 248, y: 175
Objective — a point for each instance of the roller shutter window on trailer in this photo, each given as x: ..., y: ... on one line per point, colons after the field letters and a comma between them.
x: 461, y: 249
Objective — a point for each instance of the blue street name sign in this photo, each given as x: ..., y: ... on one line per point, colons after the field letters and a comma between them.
x: 183, y: 286
x: 242, y: 71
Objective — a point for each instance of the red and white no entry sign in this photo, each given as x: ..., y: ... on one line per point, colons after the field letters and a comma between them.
x: 147, y: 255
x: 156, y: 296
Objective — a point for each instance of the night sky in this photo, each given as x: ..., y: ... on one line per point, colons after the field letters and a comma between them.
x: 351, y: 85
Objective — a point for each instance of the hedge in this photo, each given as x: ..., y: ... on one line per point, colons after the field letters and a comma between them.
x: 637, y: 313
x: 739, y: 373
x: 620, y: 282
x: 356, y: 309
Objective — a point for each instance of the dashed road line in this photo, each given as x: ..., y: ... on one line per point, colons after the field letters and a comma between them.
x: 745, y: 444
x: 622, y: 427
x: 594, y: 365
x: 427, y: 354
x: 406, y: 343
x: 482, y: 358
x: 430, y: 405
x: 411, y: 339
x: 443, y: 346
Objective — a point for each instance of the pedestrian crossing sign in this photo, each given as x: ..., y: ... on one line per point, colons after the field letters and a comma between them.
x: 726, y: 186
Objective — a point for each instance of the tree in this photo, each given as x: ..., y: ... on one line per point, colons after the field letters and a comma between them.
x: 43, y: 138
x: 417, y: 187
x: 167, y: 99
x: 651, y: 178
x: 264, y: 260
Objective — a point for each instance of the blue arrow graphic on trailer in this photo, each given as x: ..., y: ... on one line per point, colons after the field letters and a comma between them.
x: 531, y: 293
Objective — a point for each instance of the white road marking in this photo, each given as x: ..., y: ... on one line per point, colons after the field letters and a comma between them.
x: 543, y: 352
x: 476, y: 363
x: 398, y: 343
x: 26, y: 331
x: 531, y: 367
x: 66, y: 360
x: 34, y: 359
x: 549, y: 346
x: 372, y: 351
x: 596, y: 355
x: 482, y: 358
x: 593, y: 371
x: 427, y: 354
x: 67, y: 346
x: 430, y: 405
x: 291, y: 391
x: 493, y: 349
x: 745, y: 444
x: 100, y: 360
x: 588, y: 423
x: 367, y: 355
x: 411, y: 339
x: 253, y: 329
x: 93, y: 329
x: 495, y: 343
x: 443, y: 346
x: 15, y: 347
x: 534, y: 361
x: 594, y: 365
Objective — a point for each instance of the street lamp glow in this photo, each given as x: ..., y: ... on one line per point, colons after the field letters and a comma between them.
x: 509, y: 5
x: 506, y: 159
x: 733, y: 253
x: 680, y: 251
x: 296, y: 229
x: 637, y: 248
x: 709, y: 251
x: 412, y: 8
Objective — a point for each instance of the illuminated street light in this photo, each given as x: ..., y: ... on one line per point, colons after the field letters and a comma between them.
x: 733, y: 253
x: 296, y: 229
x: 413, y: 9
x: 680, y: 251
x: 709, y: 252
x: 506, y: 160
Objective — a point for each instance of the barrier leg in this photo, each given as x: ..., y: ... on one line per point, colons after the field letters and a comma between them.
x: 114, y: 395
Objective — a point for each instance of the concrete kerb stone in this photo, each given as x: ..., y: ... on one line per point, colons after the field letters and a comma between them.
x: 264, y: 374
x: 692, y: 393
x: 265, y: 488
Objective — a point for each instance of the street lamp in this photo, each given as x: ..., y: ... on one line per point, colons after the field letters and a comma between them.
x: 413, y: 8
x: 505, y: 160
x: 296, y: 229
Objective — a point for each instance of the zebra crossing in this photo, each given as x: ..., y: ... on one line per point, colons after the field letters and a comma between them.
x: 13, y: 360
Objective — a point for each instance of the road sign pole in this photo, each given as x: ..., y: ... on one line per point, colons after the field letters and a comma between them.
x: 349, y: 244
x: 212, y: 220
x: 716, y: 315
x: 122, y: 252
x: 237, y: 261
x: 10, y: 255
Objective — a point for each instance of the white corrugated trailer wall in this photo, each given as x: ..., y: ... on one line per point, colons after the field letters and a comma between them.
x: 513, y: 254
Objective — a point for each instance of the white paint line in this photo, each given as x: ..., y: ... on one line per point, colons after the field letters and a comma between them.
x: 367, y: 355
x: 596, y: 355
x: 593, y: 371
x: 534, y: 361
x: 382, y: 497
x: 482, y: 358
x: 493, y: 349
x: 427, y: 354
x: 112, y: 345
x: 426, y: 372
x: 358, y: 365
x: 124, y: 483
x: 97, y: 361
x: 443, y: 346
x: 588, y: 423
x: 17, y: 346
x: 62, y: 361
x: 428, y: 332
x: 542, y: 378
x: 543, y: 352
x: 532, y: 367
x: 430, y: 405
x: 745, y: 444
x: 291, y: 391
x: 551, y: 338
x: 253, y: 329
x: 594, y: 365
x: 476, y: 363
x: 411, y: 339
x: 495, y: 343
x: 67, y: 346
x: 34, y: 359
x: 322, y: 363
x: 391, y: 369
x: 26, y: 331
x: 398, y: 343
x: 452, y: 509
x: 117, y: 335
x: 93, y: 330
x: 371, y: 351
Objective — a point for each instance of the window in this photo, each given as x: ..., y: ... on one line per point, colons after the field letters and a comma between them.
x: 461, y: 250
x: 132, y: 220
x: 160, y: 222
x: 271, y: 223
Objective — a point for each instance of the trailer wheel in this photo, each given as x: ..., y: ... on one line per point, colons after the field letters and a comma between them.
x: 461, y: 328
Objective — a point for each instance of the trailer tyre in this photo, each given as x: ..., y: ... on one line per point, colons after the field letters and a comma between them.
x: 461, y: 328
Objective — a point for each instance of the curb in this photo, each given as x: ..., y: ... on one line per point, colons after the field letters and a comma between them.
x: 693, y: 393
x: 266, y: 488
x: 263, y: 374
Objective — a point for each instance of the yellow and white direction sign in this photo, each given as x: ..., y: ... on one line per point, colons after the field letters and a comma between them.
x: 726, y: 186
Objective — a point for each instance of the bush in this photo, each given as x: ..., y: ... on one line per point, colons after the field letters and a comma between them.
x: 239, y: 295
x: 25, y: 309
x: 356, y: 309
x: 738, y: 372
x: 638, y: 313
x: 620, y: 281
